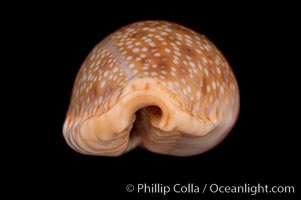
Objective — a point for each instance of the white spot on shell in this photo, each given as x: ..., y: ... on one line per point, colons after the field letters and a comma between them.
x: 132, y: 66
x: 135, y: 71
x: 188, y: 89
x: 145, y: 67
x: 105, y: 74
x: 222, y: 89
x: 136, y: 50
x: 183, y: 80
x: 206, y: 72
x: 115, y: 69
x: 177, y: 84
x: 178, y: 53
x: 191, y: 64
x: 167, y: 50
x: 154, y: 73
x: 162, y: 77
x: 198, y: 95
x: 163, y: 72
x: 214, y: 85
x: 208, y: 88
x: 152, y: 44
x: 103, y: 83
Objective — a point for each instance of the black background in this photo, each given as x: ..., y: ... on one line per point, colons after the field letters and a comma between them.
x: 258, y: 42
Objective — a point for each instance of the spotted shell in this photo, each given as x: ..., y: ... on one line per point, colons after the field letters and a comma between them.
x: 153, y: 84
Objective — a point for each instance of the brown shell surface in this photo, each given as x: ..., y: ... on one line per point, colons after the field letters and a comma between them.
x: 153, y: 84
